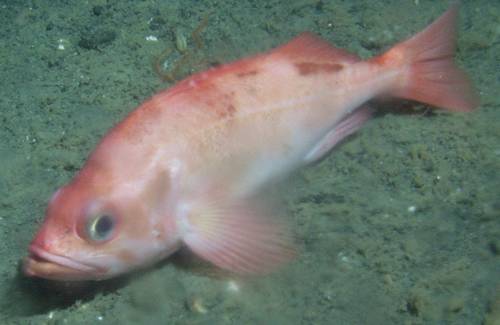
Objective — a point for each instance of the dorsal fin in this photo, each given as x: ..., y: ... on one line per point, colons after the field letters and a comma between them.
x: 312, y: 48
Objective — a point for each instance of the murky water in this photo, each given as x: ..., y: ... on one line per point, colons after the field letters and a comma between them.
x: 399, y: 225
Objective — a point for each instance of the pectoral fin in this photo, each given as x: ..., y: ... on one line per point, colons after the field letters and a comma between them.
x: 237, y: 236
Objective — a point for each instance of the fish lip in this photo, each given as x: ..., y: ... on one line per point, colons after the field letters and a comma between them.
x: 65, y: 268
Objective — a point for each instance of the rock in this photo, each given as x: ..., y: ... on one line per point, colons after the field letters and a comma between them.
x: 97, y: 39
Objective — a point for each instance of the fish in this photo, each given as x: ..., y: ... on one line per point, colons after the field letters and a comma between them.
x: 185, y: 168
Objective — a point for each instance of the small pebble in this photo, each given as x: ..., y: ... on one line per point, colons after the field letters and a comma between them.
x: 196, y: 305
x: 180, y: 41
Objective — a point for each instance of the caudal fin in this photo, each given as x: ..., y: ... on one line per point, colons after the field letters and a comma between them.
x: 429, y: 73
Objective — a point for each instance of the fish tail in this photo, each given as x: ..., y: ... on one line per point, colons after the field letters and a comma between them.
x: 428, y: 72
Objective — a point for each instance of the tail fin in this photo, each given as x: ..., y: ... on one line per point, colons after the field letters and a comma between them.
x: 430, y: 75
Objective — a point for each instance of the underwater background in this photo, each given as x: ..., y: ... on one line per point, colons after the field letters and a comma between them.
x: 399, y: 225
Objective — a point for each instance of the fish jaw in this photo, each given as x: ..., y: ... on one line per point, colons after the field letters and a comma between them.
x: 43, y: 264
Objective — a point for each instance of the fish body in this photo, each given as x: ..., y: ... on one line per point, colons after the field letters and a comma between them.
x: 185, y: 166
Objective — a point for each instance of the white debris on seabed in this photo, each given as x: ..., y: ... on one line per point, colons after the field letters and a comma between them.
x: 62, y: 44
x: 232, y: 286
x: 50, y: 315
x: 412, y: 208
x: 100, y: 318
x: 151, y: 38
x: 343, y: 258
x: 346, y: 262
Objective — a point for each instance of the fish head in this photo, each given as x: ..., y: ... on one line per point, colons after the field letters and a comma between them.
x: 87, y: 235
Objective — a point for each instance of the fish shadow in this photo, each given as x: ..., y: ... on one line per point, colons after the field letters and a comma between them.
x: 396, y: 106
x: 30, y: 296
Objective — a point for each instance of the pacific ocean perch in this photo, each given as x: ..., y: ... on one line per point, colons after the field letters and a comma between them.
x: 184, y: 167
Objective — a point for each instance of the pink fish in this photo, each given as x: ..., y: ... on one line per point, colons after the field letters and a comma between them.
x: 185, y: 166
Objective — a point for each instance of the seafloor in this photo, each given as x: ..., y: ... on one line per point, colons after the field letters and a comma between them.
x: 400, y: 225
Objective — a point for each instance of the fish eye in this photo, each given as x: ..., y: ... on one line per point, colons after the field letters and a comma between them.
x: 100, y: 228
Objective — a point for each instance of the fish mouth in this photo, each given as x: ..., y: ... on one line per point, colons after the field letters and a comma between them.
x: 43, y: 264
